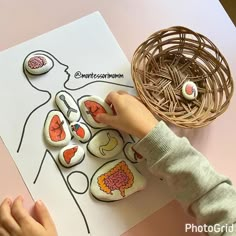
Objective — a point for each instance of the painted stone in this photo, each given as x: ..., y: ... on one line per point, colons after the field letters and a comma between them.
x: 189, y: 90
x: 131, y: 154
x: 80, y: 131
x: 106, y: 143
x: 56, y: 130
x: 90, y: 106
x: 71, y: 155
x: 38, y: 64
x: 116, y: 180
x: 68, y: 106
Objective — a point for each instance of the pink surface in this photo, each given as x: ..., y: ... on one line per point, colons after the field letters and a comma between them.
x: 131, y: 23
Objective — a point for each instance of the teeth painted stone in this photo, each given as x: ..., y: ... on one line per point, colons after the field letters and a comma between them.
x: 131, y: 154
x: 116, y: 180
x: 90, y: 106
x: 106, y: 143
x: 56, y: 130
x: 71, y: 155
x: 80, y: 131
x: 68, y: 106
x: 38, y: 64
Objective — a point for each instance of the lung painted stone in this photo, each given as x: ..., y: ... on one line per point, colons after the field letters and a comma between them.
x: 116, y: 180
x: 131, y: 154
x: 106, y: 143
x: 56, y: 130
x: 80, y: 131
x: 91, y: 106
x: 71, y: 155
x: 67, y: 106
x: 38, y: 64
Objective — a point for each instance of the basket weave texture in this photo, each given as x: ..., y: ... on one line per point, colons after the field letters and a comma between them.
x: 172, y: 56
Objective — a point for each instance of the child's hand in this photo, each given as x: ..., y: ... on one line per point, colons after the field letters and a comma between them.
x: 16, y: 221
x: 131, y: 115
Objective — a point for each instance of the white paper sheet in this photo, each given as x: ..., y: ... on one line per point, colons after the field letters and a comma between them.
x: 84, y: 46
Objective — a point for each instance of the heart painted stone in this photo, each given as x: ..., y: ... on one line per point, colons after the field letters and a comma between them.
x: 56, y: 130
x: 131, y: 154
x: 71, y: 155
x: 106, y: 143
x: 38, y: 64
x: 80, y: 131
x: 90, y: 106
x: 116, y: 180
x: 67, y: 106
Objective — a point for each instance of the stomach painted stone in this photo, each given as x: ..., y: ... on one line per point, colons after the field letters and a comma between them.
x: 91, y: 106
x: 106, y: 143
x: 116, y: 180
x: 67, y: 106
x: 131, y: 154
x: 56, y: 130
x: 80, y: 131
x: 38, y: 64
x: 71, y: 155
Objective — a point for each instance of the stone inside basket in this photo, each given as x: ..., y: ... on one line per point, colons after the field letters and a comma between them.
x: 166, y: 61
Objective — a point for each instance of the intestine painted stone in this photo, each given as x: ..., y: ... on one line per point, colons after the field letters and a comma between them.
x: 71, y: 155
x: 56, y: 130
x: 116, y: 180
x: 80, y: 131
x: 131, y: 154
x: 106, y: 143
x: 38, y: 64
x: 90, y: 106
x: 67, y: 105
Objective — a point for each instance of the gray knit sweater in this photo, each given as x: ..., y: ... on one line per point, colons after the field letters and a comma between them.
x: 204, y: 194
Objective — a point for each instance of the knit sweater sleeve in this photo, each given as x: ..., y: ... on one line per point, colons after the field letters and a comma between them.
x: 204, y: 194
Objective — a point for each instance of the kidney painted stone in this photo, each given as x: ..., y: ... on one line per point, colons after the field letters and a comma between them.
x: 116, y: 180
x: 91, y: 106
x: 80, y: 131
x: 56, y: 130
x: 71, y: 155
x: 131, y: 154
x: 106, y: 143
x: 67, y: 106
x: 38, y: 64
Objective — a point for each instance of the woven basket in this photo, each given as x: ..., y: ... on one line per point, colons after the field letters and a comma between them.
x: 172, y: 56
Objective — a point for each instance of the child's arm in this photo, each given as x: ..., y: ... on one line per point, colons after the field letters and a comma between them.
x: 204, y: 193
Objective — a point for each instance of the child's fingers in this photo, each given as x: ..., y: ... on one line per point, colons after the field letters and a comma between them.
x: 3, y: 232
x: 7, y: 222
x: 20, y: 214
x: 43, y: 215
x: 106, y: 118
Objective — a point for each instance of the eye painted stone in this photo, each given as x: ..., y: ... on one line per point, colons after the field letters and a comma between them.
x: 38, y: 64
x: 131, y: 154
x: 68, y: 106
x: 91, y: 106
x: 71, y: 155
x: 116, y: 180
x: 56, y: 130
x: 80, y: 131
x: 189, y: 90
x: 106, y: 143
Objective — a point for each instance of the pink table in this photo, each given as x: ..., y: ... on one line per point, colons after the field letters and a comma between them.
x: 131, y: 23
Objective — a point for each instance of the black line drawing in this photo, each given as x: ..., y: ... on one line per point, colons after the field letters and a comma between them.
x: 66, y: 183
x: 35, y: 83
x: 86, y: 177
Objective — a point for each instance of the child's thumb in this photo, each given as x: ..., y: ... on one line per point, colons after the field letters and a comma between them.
x: 105, y: 118
x: 43, y: 215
